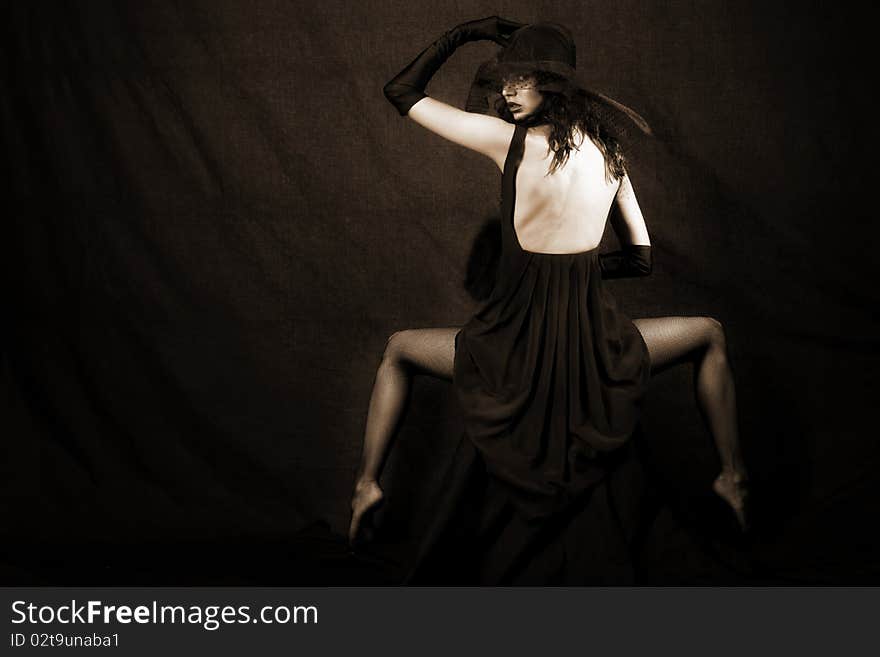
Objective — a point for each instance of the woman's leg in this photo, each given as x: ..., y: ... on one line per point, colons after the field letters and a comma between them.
x: 672, y: 340
x: 407, y: 353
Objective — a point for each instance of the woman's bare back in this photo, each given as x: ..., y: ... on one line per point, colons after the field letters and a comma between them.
x: 566, y: 211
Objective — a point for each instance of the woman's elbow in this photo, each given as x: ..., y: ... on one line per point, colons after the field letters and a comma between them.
x: 402, y: 96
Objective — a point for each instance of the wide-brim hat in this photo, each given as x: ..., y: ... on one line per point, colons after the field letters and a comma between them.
x: 548, y: 49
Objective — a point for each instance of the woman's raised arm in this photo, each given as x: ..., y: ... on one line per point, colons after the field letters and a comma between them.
x: 406, y: 91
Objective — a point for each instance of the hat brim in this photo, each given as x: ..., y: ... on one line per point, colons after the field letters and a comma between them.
x: 492, y: 74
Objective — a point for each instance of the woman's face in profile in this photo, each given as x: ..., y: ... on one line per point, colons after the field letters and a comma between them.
x: 521, y: 96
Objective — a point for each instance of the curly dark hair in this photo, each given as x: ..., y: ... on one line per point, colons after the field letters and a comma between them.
x: 570, y: 110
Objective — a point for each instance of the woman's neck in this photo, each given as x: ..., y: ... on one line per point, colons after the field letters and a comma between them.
x: 536, y: 127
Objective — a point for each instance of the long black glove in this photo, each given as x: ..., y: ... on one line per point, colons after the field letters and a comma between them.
x: 408, y: 87
x: 631, y: 260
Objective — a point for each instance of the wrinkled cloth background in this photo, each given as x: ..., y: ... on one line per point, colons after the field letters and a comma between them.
x: 216, y: 221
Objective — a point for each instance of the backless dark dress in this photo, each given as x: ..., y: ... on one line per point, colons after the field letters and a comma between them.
x: 550, y: 376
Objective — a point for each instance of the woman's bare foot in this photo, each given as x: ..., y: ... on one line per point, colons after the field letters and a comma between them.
x: 733, y: 488
x: 367, y: 498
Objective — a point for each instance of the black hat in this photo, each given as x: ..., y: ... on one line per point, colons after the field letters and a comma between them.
x: 547, y: 49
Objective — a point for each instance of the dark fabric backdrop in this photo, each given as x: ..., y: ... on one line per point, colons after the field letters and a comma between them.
x: 215, y: 221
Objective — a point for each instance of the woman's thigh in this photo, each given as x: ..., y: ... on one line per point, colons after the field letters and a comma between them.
x: 427, y: 351
x: 672, y: 340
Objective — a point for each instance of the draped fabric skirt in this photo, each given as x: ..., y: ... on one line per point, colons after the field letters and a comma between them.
x: 550, y: 377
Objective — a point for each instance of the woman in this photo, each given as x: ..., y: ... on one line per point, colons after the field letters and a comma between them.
x: 549, y: 373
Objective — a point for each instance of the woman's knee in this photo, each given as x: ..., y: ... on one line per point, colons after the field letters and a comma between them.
x: 714, y: 334
x: 395, y: 347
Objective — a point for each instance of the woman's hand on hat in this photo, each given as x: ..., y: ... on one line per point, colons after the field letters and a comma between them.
x: 492, y: 28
